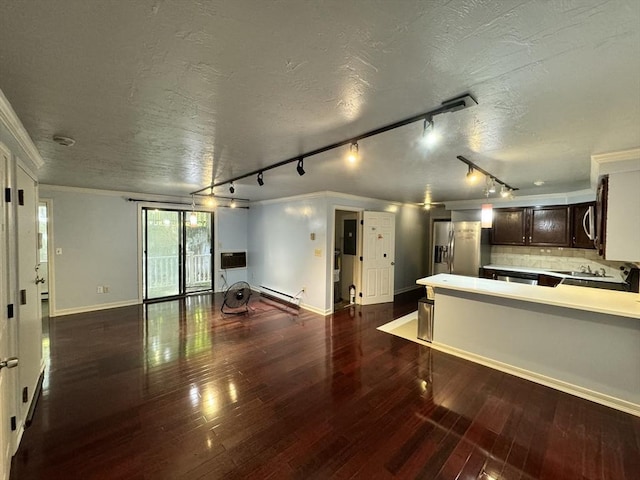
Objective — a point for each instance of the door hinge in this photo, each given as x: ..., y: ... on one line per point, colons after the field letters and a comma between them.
x: 20, y: 197
x: 7, y: 195
x: 361, y: 222
x: 10, y: 310
x: 25, y: 394
x: 23, y: 297
x: 13, y: 424
x: 360, y: 258
x: 360, y: 294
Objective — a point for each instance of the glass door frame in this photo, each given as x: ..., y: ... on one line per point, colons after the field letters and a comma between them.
x: 183, y: 218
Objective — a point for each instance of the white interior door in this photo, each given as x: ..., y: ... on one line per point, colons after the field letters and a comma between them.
x: 30, y: 318
x: 6, y: 392
x: 378, y: 257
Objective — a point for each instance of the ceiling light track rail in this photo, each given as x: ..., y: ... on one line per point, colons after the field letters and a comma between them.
x: 484, y: 172
x: 453, y: 105
x: 190, y: 204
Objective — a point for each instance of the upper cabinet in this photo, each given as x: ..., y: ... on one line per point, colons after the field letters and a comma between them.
x: 616, y: 175
x: 508, y: 226
x: 535, y: 226
x: 549, y: 226
x: 619, y: 201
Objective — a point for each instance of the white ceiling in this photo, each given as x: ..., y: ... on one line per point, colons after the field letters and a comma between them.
x: 161, y: 97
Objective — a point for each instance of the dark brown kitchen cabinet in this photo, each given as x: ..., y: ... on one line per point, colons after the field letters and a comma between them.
x: 549, y: 226
x: 508, y: 226
x: 535, y: 226
x: 580, y: 225
x: 602, y: 200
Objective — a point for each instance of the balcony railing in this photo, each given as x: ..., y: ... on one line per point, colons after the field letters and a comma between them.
x: 162, y: 273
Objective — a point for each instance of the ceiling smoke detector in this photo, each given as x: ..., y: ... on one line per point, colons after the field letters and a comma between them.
x: 64, y: 141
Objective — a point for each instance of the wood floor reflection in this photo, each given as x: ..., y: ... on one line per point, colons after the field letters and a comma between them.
x: 176, y: 390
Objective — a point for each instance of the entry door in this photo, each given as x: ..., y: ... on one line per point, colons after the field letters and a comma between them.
x: 29, y: 307
x: 378, y: 257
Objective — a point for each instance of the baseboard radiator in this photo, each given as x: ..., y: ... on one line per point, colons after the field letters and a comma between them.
x: 280, y: 297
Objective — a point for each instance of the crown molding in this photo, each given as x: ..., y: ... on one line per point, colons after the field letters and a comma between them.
x: 578, y: 196
x: 619, y: 156
x: 10, y: 120
x: 614, y: 162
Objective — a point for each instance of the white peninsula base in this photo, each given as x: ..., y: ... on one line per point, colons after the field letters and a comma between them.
x: 591, y: 354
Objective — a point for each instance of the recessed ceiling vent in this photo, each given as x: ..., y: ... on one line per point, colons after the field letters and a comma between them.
x: 64, y: 141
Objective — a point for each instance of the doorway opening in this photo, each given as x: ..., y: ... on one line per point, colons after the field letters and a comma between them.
x: 177, y: 253
x: 43, y: 271
x: 345, y: 259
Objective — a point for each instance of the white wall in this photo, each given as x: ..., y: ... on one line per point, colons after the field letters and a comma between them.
x: 98, y: 235
x: 283, y: 256
x: 230, y: 235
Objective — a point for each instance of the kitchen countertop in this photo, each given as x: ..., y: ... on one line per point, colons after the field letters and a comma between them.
x: 624, y: 304
x: 552, y: 274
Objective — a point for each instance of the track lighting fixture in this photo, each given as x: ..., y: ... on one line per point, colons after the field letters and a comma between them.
x: 354, y: 152
x: 491, y: 185
x: 193, y: 218
x: 429, y: 134
x: 472, y: 175
x: 260, y: 179
x: 211, y: 200
x: 473, y: 172
x: 300, y: 167
x: 232, y: 189
x: 448, y: 106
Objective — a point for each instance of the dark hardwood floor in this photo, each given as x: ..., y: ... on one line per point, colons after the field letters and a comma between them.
x: 175, y: 390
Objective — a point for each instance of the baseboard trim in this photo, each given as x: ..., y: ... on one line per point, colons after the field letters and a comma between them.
x: 94, y: 308
x: 410, y: 288
x: 313, y: 309
x: 34, y: 401
x: 572, y: 389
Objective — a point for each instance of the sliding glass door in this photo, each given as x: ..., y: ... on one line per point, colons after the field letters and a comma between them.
x: 176, y: 252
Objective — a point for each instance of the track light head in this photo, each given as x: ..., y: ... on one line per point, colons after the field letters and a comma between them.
x: 354, y: 153
x: 300, y: 167
x: 491, y: 185
x: 429, y: 134
x: 472, y: 175
x: 260, y: 179
x: 232, y: 189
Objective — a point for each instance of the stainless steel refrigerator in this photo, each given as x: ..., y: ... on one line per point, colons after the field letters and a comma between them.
x: 461, y: 248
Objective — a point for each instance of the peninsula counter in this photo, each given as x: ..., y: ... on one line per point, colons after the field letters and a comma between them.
x: 579, y: 340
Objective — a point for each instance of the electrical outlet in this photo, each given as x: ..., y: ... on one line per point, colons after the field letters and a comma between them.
x: 106, y: 289
x: 99, y: 289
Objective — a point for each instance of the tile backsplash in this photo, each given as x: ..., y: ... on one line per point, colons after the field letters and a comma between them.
x: 553, y: 258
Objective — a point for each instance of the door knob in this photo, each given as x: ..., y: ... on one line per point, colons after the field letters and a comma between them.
x: 11, y: 362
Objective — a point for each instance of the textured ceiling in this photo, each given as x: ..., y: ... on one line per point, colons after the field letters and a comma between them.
x: 162, y: 97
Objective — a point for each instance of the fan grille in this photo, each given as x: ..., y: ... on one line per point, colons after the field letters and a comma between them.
x: 237, y: 295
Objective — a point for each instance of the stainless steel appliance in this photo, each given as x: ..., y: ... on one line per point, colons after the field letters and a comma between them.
x: 425, y: 319
x: 460, y: 248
